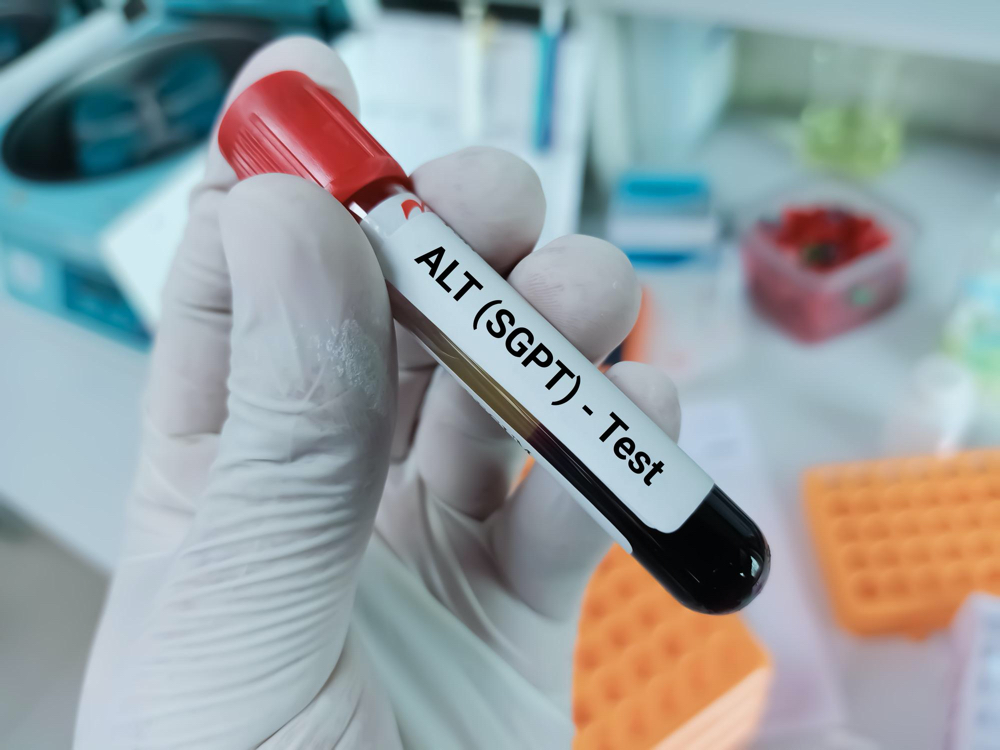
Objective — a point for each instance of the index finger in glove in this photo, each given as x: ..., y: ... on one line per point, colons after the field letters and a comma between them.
x: 494, y: 201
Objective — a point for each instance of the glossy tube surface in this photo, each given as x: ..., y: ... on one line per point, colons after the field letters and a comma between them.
x: 715, y: 562
x: 629, y: 476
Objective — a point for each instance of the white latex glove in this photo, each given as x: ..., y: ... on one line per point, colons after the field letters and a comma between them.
x: 276, y: 420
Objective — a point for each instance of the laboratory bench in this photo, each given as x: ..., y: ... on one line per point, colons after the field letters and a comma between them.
x: 70, y: 400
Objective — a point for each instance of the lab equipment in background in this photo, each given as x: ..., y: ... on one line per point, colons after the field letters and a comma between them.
x: 549, y: 35
x: 26, y: 23
x: 107, y: 132
x: 852, y: 121
x: 324, y: 18
x: 680, y: 76
x: 691, y: 319
x: 650, y: 674
x: 138, y: 247
x: 100, y: 140
x: 902, y: 542
x: 933, y: 411
x: 114, y: 129
x: 975, y: 715
x: 663, y: 217
x: 823, y: 257
x: 610, y: 148
x: 972, y: 332
x: 54, y: 210
x: 416, y: 123
x: 475, y: 37
x: 660, y: 88
x: 76, y: 41
x: 419, y: 123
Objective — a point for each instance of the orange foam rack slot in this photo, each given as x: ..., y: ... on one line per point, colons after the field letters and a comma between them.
x: 650, y: 674
x: 902, y: 542
x: 637, y: 345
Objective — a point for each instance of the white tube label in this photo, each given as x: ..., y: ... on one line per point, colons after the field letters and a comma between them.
x: 458, y: 291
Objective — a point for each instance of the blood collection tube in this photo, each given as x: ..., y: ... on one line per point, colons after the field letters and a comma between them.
x: 622, y: 469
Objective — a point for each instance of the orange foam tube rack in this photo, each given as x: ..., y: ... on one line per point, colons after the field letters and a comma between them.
x: 902, y: 542
x: 651, y: 674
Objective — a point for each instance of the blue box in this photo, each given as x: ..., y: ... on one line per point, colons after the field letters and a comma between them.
x: 663, y: 218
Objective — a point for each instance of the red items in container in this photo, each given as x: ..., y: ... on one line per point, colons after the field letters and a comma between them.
x: 825, y: 238
x: 823, y: 258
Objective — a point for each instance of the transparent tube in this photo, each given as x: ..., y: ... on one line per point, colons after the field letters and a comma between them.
x: 683, y: 529
x: 716, y: 562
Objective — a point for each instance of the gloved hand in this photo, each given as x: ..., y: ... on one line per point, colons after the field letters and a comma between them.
x: 283, y: 405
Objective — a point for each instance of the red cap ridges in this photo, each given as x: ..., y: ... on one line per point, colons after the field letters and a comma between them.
x: 287, y: 123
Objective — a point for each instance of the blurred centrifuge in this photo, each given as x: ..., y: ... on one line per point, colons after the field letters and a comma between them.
x: 91, y: 144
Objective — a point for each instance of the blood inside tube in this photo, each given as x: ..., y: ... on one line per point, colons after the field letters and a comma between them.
x: 684, y: 530
x: 716, y: 562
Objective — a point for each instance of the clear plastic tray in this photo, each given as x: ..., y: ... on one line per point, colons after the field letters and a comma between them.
x: 813, y: 305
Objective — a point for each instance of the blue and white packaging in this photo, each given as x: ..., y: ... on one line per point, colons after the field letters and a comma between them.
x: 663, y: 218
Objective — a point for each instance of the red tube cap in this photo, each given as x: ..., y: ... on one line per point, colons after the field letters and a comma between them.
x: 288, y: 124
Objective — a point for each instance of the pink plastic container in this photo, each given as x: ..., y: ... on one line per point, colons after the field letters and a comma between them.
x: 814, y: 305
